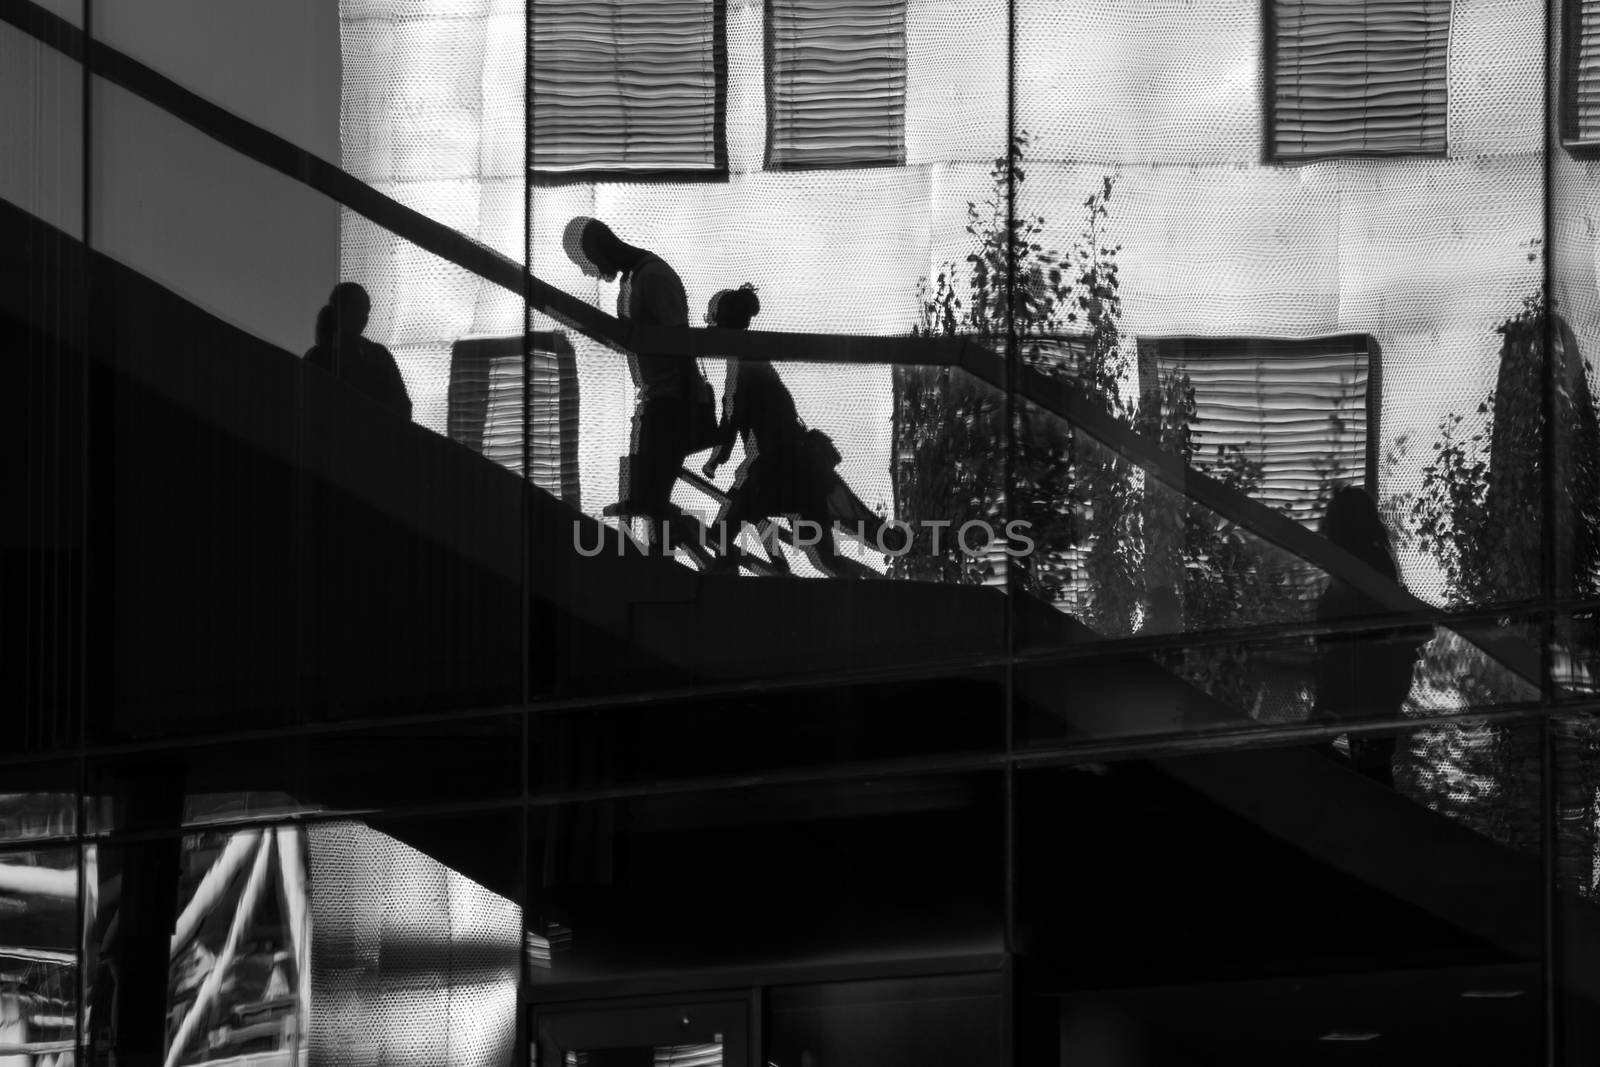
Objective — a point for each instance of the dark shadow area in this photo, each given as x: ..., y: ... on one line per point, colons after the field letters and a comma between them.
x: 889, y: 869
x: 1267, y: 907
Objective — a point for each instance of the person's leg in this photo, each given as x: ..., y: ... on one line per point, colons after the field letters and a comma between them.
x: 730, y: 523
x: 662, y: 433
x: 767, y: 530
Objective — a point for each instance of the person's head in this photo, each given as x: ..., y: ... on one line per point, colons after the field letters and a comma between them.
x: 1352, y: 522
x: 597, y: 251
x: 732, y: 309
x: 350, y: 308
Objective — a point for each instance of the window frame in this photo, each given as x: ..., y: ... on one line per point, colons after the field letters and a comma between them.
x: 1159, y: 353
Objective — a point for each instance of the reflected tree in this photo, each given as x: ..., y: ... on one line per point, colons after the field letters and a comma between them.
x: 1480, y: 514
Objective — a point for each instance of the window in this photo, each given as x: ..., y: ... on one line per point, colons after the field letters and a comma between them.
x: 836, y: 83
x: 627, y: 89
x: 1580, y: 74
x: 1307, y: 410
x: 1356, y: 77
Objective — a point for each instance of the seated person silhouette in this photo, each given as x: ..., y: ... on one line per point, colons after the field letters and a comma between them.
x: 340, y: 350
x: 1361, y: 676
x: 782, y: 473
x: 674, y: 415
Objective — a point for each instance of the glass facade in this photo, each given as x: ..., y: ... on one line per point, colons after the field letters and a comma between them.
x: 799, y: 532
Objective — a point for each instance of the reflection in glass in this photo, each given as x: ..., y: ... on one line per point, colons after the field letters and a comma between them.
x: 32, y: 815
x: 411, y: 960
x: 660, y: 1034
x: 239, y: 975
x: 706, y: 1054
x: 1291, y: 898
x: 877, y: 869
x: 38, y: 957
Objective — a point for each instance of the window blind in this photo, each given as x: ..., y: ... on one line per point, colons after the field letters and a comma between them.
x: 836, y: 83
x: 628, y: 88
x: 1305, y: 409
x: 1580, y: 112
x: 1356, y: 77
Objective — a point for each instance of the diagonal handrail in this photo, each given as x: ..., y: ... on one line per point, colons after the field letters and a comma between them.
x: 1060, y: 397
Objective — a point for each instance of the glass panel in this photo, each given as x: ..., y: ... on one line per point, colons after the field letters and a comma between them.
x: 297, y: 543
x: 463, y: 761
x: 1277, y: 903
x: 619, y: 620
x: 1564, y: 357
x: 417, y: 934
x: 1351, y: 675
x: 1144, y: 558
x: 932, y: 1021
x: 881, y: 869
x: 39, y: 955
x: 225, y: 945
x: 715, y: 735
x: 43, y: 429
x: 1575, y: 655
x: 672, y: 1035
x: 1575, y: 770
x: 269, y: 941
x: 40, y: 801
x: 241, y: 949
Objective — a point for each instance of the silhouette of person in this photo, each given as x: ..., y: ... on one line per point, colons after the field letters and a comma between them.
x: 340, y: 350
x: 780, y: 474
x: 1361, y: 676
x: 675, y: 404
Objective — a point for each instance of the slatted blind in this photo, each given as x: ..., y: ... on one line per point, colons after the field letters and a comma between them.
x: 627, y: 87
x: 1305, y: 409
x: 1352, y: 77
x: 491, y: 412
x: 1580, y: 112
x: 836, y: 83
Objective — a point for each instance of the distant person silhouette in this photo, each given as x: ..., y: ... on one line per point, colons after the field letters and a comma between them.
x: 783, y: 472
x: 675, y: 412
x: 1361, y: 676
x: 340, y: 350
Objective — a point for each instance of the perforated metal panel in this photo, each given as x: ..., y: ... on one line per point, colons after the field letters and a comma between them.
x: 411, y: 962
